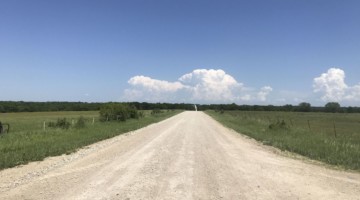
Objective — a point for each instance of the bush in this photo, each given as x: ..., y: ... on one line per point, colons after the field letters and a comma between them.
x: 156, y: 111
x: 81, y: 122
x: 60, y: 123
x: 118, y: 112
x: 134, y: 114
x: 141, y: 114
x: 278, y: 125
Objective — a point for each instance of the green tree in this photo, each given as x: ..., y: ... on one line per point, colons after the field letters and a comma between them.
x: 332, y: 107
x: 304, y: 107
x: 117, y: 111
x: 288, y: 107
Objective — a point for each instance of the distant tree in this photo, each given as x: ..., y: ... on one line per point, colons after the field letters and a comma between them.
x: 258, y: 108
x: 288, y: 107
x: 304, y: 107
x: 332, y: 107
x: 350, y: 109
x: 232, y: 106
x: 117, y: 111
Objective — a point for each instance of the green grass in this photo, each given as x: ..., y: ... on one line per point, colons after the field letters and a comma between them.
x: 28, y: 141
x: 338, y: 146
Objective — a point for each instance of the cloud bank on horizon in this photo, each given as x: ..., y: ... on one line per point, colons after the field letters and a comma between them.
x: 216, y: 86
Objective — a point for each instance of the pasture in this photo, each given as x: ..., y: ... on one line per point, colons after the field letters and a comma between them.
x: 333, y: 138
x: 28, y: 139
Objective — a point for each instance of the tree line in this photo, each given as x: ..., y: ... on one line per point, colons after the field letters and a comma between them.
x: 331, y: 107
x: 21, y: 106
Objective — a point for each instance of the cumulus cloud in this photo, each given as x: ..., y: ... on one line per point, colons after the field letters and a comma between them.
x: 264, y: 92
x: 133, y: 94
x: 246, y: 97
x: 354, y: 93
x: 200, y: 85
x: 155, y: 85
x: 331, y: 85
x: 211, y: 85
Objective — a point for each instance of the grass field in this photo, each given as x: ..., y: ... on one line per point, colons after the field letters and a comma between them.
x: 333, y: 138
x: 28, y: 141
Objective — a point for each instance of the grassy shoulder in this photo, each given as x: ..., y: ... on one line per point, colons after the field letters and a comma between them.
x: 28, y: 141
x: 330, y: 138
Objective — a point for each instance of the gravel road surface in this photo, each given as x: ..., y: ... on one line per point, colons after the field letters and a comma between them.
x: 188, y: 156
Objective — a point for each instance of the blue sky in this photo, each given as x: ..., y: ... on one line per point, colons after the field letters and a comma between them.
x: 247, y: 52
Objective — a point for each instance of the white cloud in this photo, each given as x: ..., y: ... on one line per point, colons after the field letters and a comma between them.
x: 211, y: 85
x: 331, y: 85
x: 246, y: 97
x: 131, y: 94
x: 298, y: 100
x: 155, y: 85
x: 354, y: 93
x: 201, y: 85
x: 264, y: 92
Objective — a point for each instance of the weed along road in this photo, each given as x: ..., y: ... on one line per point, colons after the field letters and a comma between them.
x: 188, y: 156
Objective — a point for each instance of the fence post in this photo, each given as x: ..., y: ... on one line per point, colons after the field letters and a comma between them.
x: 44, y: 125
x: 93, y: 120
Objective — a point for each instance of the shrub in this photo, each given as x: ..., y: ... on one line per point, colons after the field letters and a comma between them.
x: 134, y: 114
x: 81, y: 122
x: 60, y: 123
x: 156, y: 111
x: 141, y: 114
x: 278, y: 125
x: 117, y: 111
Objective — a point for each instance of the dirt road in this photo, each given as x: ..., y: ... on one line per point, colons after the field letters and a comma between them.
x: 189, y: 156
